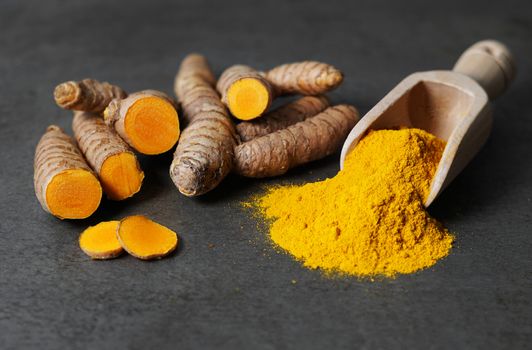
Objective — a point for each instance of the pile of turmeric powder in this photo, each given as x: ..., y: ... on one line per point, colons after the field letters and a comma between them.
x: 369, y: 219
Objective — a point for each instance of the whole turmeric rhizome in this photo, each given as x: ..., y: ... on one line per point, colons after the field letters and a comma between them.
x: 137, y: 235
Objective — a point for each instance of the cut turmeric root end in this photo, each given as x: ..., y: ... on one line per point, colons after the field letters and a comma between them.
x: 146, y: 239
x: 100, y: 241
x: 248, y: 98
x: 73, y: 194
x: 152, y: 125
x: 121, y: 176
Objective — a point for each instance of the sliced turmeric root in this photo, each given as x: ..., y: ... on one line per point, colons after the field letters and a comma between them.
x: 64, y: 183
x: 146, y: 120
x: 248, y: 98
x: 100, y: 241
x: 245, y: 91
x: 73, y: 194
x: 111, y: 158
x: 146, y: 239
x: 120, y: 176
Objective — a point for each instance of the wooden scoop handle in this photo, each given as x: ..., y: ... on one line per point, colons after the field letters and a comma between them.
x: 490, y: 63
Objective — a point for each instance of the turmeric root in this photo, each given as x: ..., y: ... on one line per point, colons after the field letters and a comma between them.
x: 146, y: 239
x: 193, y: 87
x: 100, y: 241
x: 64, y: 184
x: 314, y: 138
x: 245, y: 92
x: 111, y: 158
x: 87, y: 95
x: 305, y: 78
x: 282, y: 117
x: 146, y: 120
x: 204, y: 155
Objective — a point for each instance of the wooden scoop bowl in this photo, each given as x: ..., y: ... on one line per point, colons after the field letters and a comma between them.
x: 453, y: 105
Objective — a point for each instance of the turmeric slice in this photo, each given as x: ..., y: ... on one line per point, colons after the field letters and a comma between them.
x: 100, y: 241
x: 205, y: 153
x: 146, y: 120
x: 87, y: 95
x: 146, y: 239
x: 112, y: 159
x: 317, y: 137
x: 305, y: 78
x: 64, y: 183
x: 245, y: 92
x: 282, y: 117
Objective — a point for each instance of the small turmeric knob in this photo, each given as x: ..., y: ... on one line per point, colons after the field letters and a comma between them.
x: 306, y: 78
x: 87, y: 95
x: 66, y: 94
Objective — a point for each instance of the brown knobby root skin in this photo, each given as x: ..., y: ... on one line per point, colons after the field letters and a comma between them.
x: 147, y: 120
x: 204, y: 154
x: 145, y: 239
x: 314, y: 138
x: 110, y: 156
x: 245, y: 92
x: 193, y: 87
x: 86, y: 95
x: 282, y: 117
x: 65, y: 185
x: 305, y: 78
x: 100, y: 241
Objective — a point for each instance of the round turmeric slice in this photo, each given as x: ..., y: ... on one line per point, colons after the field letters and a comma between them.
x: 146, y: 239
x: 100, y: 241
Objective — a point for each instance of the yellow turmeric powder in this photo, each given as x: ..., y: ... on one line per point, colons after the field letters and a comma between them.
x: 369, y: 219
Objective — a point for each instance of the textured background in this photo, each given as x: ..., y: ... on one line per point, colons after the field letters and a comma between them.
x: 227, y: 287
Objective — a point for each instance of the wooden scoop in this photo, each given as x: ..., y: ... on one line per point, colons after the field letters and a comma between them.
x: 453, y: 105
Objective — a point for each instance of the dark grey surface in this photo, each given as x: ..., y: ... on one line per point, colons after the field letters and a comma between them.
x: 226, y: 287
